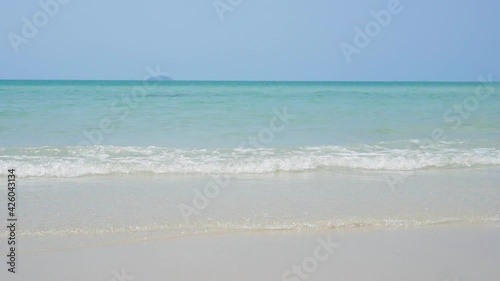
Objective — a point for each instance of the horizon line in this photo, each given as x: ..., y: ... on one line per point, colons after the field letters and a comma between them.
x: 319, y: 81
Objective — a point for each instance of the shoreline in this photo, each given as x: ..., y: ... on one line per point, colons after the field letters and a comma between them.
x: 155, y: 236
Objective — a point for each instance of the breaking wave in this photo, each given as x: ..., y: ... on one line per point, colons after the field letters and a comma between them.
x: 76, y: 161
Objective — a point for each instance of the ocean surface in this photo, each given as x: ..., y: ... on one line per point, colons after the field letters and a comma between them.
x: 153, y: 159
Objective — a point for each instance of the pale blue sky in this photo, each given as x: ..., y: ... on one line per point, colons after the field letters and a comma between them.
x: 258, y: 40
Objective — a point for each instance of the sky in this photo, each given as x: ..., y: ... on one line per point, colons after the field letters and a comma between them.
x: 407, y: 40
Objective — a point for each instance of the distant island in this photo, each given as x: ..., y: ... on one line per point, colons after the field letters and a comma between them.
x: 160, y: 78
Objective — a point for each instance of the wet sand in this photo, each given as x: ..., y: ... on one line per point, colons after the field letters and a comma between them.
x: 452, y: 253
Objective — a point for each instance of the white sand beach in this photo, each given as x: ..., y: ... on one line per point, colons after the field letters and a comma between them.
x: 441, y: 253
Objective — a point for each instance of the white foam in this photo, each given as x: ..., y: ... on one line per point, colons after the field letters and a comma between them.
x: 75, y: 161
x: 214, y: 226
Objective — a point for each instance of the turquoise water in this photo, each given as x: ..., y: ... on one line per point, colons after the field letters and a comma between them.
x: 78, y: 128
x: 99, y: 159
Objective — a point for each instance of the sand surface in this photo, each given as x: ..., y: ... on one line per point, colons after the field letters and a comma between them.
x: 453, y: 253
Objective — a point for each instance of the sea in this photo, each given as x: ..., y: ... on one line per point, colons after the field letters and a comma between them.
x: 114, y: 161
